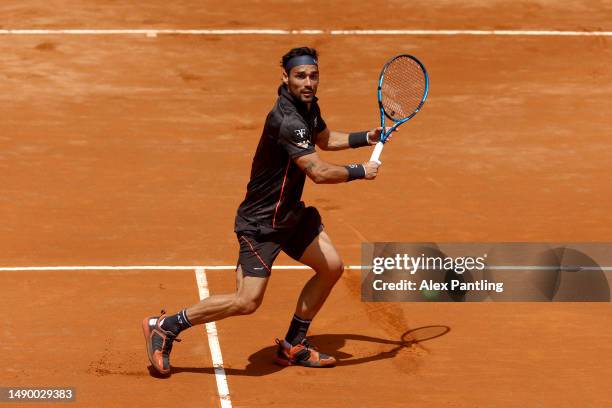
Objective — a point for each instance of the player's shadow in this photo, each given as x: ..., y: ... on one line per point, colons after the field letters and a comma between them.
x: 262, y: 362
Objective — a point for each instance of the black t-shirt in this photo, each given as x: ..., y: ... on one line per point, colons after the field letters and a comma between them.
x: 274, y: 192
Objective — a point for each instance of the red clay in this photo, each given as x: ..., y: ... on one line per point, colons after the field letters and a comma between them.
x: 130, y: 150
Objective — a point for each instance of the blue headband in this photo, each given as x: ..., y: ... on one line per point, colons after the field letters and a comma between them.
x: 300, y: 60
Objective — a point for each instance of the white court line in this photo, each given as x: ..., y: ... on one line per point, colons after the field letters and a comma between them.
x: 568, y: 268
x: 475, y: 32
x: 215, y: 347
x: 97, y: 268
x: 282, y: 267
x: 152, y: 32
x: 143, y: 268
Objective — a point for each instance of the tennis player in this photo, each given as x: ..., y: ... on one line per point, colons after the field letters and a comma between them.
x: 272, y: 218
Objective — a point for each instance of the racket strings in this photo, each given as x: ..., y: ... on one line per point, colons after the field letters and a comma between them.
x: 403, y: 88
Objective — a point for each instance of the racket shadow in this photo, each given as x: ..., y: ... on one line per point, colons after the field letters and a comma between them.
x: 261, y: 362
x: 407, y: 340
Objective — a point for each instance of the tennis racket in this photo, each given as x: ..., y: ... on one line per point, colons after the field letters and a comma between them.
x: 402, y: 90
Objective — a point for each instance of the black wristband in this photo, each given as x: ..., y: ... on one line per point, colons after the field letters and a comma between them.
x: 358, y: 139
x: 355, y: 171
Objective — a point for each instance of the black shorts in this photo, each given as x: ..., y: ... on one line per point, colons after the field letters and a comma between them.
x: 259, y: 247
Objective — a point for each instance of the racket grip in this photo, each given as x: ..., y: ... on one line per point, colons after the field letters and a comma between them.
x: 377, y: 151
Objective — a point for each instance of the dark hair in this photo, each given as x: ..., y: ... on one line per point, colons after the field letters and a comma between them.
x: 297, y: 52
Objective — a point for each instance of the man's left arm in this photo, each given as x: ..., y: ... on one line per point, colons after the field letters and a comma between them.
x: 332, y: 140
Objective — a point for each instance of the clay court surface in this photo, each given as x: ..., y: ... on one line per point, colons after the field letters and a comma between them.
x: 124, y: 150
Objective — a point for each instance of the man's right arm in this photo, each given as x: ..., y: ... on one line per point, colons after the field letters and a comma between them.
x: 326, y: 173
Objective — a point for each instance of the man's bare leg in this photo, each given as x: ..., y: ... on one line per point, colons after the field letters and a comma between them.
x: 323, y: 258
x: 321, y: 255
x: 247, y: 298
x: 161, y: 331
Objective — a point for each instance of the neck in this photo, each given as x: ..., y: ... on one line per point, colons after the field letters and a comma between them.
x: 296, y: 99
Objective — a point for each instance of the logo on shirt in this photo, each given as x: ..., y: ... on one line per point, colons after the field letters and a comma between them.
x: 304, y: 143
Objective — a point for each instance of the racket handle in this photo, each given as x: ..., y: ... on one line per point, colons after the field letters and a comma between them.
x: 377, y: 151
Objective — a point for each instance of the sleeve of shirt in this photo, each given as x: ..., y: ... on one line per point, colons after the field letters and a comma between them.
x: 295, y: 138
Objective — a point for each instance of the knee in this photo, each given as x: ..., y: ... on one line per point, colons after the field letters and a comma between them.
x: 246, y: 306
x: 336, y: 269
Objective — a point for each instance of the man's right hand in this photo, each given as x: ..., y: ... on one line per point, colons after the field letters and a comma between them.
x: 371, y: 169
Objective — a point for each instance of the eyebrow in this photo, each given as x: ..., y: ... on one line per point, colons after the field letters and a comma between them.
x: 304, y: 71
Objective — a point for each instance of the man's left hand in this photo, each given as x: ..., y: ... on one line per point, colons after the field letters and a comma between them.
x: 374, y: 135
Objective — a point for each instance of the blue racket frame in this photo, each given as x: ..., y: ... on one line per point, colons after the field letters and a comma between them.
x: 385, y: 134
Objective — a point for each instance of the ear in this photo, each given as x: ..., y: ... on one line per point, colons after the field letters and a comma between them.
x: 285, y: 77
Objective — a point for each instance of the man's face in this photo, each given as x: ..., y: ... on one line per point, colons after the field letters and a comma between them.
x: 302, y: 82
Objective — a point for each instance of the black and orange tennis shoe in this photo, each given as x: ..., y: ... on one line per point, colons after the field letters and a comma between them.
x: 303, y: 354
x: 158, y: 342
